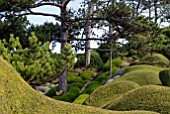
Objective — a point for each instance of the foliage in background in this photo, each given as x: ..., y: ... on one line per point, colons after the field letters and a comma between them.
x: 36, y: 63
x: 95, y: 61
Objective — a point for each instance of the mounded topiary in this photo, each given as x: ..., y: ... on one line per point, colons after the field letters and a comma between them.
x: 107, y: 93
x: 142, y: 74
x: 156, y: 59
x: 17, y: 97
x: 150, y: 98
x: 164, y: 76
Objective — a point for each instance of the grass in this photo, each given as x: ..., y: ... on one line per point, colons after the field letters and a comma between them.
x: 17, y: 97
x: 104, y: 94
x: 142, y: 74
x: 151, y: 98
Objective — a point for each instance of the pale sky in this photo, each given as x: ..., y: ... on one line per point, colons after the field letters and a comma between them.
x: 50, y: 9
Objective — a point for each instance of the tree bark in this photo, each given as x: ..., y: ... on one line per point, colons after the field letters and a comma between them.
x: 63, y: 81
x: 88, y: 32
x: 111, y: 51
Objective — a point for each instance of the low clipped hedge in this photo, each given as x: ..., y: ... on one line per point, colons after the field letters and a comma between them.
x: 142, y: 74
x: 156, y: 59
x: 81, y: 99
x: 150, y: 98
x: 107, y: 93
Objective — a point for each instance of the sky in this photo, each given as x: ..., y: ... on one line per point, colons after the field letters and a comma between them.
x: 50, y: 9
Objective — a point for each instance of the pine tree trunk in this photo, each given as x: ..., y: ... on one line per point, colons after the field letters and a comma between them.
x: 63, y: 81
x: 111, y: 51
x: 64, y: 36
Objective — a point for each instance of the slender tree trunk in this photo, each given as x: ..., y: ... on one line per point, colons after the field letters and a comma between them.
x: 111, y: 51
x: 64, y: 36
x: 88, y: 32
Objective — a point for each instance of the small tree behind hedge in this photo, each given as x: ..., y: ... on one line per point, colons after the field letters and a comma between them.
x: 164, y: 76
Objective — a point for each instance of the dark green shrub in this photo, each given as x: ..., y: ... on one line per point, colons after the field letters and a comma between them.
x: 52, y: 91
x: 81, y: 61
x: 95, y: 60
x: 80, y: 99
x: 103, y: 77
x: 70, y: 95
x: 86, y: 75
x: 164, y: 76
x: 79, y: 84
x: 115, y: 63
x: 91, y: 87
x: 71, y: 78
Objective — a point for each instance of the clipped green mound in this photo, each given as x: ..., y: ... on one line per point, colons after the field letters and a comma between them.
x: 151, y: 97
x: 142, y: 74
x: 156, y: 59
x: 17, y: 97
x: 104, y: 94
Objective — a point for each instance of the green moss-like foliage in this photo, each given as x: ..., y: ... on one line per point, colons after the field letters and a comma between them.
x: 142, y: 74
x: 81, y: 99
x: 164, y: 76
x: 17, y: 97
x: 102, y: 78
x: 156, y: 59
x: 91, y: 87
x: 107, y: 93
x: 70, y: 95
x: 52, y: 91
x: 71, y: 78
x: 151, y: 98
x: 86, y: 75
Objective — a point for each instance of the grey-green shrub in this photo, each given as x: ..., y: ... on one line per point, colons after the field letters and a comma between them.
x: 164, y: 76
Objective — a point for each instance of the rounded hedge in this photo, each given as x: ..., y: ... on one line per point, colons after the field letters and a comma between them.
x: 150, y: 98
x: 107, y: 93
x: 156, y: 59
x: 142, y: 74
